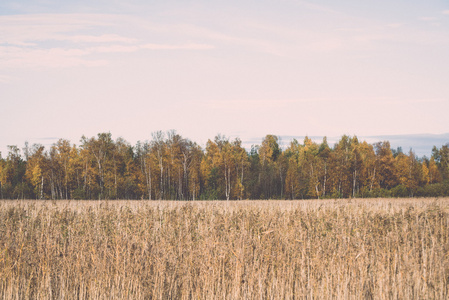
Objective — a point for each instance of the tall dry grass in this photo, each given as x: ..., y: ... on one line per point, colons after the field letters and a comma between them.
x: 356, y: 249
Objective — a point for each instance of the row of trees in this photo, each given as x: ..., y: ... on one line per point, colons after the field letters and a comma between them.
x: 173, y: 167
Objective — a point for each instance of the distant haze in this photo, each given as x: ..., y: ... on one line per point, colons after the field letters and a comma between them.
x: 421, y: 144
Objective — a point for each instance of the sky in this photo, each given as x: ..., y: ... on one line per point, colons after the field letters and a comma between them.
x: 239, y: 68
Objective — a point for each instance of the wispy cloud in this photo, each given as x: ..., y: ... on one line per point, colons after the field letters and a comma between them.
x: 54, y: 40
x: 445, y: 12
x: 134, y: 48
x: 16, y: 57
x: 71, y: 39
x: 29, y: 29
x: 105, y: 38
x: 178, y: 47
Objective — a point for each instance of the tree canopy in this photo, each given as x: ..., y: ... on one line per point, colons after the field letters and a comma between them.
x: 170, y: 166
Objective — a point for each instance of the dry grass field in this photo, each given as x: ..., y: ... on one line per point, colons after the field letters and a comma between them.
x: 320, y: 249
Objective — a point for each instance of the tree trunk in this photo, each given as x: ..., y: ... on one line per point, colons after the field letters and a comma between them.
x: 354, y: 180
x: 149, y: 182
x: 161, y: 192
x: 372, y: 180
x: 227, y: 181
x: 325, y: 177
x: 42, y: 188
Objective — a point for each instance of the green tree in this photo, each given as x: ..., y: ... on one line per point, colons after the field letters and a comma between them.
x: 15, y: 185
x: 443, y: 159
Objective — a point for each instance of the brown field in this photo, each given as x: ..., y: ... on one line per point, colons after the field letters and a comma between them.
x: 339, y: 249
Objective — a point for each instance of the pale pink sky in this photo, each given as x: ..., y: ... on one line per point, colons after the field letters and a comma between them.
x: 240, y: 68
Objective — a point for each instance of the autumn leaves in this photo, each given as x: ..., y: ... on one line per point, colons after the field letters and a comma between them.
x: 172, y: 167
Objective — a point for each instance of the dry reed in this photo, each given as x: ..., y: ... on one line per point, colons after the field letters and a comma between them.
x: 348, y: 249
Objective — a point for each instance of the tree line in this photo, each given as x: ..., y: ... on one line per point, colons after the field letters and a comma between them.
x: 172, y: 167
